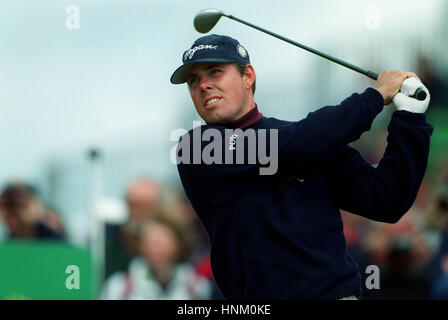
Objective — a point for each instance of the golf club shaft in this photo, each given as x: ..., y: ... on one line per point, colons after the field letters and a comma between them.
x: 367, y: 73
x: 420, y: 94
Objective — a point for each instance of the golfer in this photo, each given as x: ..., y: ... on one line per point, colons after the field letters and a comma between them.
x: 280, y: 236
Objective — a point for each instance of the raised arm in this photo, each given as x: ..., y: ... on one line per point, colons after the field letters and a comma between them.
x: 384, y: 193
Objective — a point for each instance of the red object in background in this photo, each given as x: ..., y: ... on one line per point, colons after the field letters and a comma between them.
x: 351, y: 235
x: 203, y: 266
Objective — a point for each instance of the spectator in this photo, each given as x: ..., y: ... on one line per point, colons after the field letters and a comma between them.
x: 200, y: 257
x: 25, y: 215
x: 161, y: 272
x: 142, y: 199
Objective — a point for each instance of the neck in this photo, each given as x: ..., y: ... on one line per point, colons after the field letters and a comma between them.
x: 248, y: 119
x: 251, y: 105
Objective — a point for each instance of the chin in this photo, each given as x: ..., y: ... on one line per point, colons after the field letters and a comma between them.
x: 214, y: 119
x: 218, y: 121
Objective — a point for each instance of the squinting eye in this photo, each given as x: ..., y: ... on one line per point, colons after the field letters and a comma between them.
x: 214, y: 71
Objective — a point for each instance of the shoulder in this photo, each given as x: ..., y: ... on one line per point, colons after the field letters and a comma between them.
x: 113, y: 287
x: 187, y: 273
x: 138, y: 268
x: 195, y: 281
x: 276, y: 122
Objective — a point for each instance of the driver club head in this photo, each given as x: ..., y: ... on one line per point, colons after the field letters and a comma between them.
x: 206, y: 19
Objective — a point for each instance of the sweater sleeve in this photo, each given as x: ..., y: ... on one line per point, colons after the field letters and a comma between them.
x: 387, y: 192
x: 300, y: 145
x: 328, y: 129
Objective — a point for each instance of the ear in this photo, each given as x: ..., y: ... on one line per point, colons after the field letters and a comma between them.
x: 249, y: 76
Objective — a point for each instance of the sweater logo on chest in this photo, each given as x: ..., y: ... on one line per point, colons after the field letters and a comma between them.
x: 232, y: 142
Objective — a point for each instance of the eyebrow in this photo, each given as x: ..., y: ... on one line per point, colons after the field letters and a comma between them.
x: 213, y: 65
x: 207, y: 67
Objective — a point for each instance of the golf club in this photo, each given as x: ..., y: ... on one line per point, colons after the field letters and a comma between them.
x: 206, y: 19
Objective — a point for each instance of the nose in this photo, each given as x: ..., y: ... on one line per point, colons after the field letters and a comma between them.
x: 205, y: 83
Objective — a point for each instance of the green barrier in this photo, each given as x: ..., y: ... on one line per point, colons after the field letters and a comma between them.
x: 41, y: 270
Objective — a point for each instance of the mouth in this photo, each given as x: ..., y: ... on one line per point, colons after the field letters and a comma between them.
x: 210, y: 102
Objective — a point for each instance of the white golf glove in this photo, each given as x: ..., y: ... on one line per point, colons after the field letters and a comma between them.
x: 403, y: 101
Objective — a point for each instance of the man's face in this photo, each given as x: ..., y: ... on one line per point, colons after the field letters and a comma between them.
x: 142, y: 199
x: 219, y: 92
x: 159, y: 245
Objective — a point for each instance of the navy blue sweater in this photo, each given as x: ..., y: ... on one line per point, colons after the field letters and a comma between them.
x: 281, y: 236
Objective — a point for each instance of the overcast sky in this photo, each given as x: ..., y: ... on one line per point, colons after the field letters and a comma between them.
x: 62, y: 90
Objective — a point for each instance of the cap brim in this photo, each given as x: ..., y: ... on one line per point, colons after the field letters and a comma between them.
x: 180, y: 75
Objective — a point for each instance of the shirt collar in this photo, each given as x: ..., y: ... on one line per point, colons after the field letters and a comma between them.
x: 247, y: 120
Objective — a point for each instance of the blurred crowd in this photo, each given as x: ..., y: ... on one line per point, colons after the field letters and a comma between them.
x: 161, y: 251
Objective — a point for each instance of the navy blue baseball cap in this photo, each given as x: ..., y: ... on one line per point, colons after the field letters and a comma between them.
x: 211, y: 48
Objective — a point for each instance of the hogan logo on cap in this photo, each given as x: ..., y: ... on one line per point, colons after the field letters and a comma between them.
x: 190, y: 52
x: 211, y: 48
